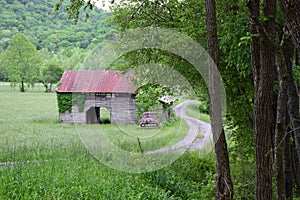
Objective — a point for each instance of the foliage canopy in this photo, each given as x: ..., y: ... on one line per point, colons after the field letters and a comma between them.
x: 21, y: 62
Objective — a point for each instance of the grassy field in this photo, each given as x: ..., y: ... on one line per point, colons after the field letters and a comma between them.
x: 43, y: 159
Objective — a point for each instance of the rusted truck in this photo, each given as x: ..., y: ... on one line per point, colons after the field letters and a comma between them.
x: 149, y: 119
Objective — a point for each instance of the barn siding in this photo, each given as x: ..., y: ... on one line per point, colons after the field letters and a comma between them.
x: 120, y: 106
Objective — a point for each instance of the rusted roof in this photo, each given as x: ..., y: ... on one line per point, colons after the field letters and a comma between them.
x: 96, y: 81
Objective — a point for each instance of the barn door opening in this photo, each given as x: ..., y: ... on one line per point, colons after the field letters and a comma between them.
x: 104, y: 116
x: 97, y: 115
x: 93, y: 115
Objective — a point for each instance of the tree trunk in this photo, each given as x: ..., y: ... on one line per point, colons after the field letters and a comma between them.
x: 291, y: 12
x: 262, y: 55
x: 50, y: 87
x: 280, y: 123
x: 293, y: 111
x: 288, y: 52
x: 46, y: 86
x: 253, y: 6
x: 297, y: 57
x: 296, y: 170
x: 22, y: 88
x: 224, y: 188
x: 288, y: 167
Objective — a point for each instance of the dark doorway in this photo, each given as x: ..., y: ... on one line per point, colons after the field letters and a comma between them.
x: 97, y: 115
x: 93, y: 115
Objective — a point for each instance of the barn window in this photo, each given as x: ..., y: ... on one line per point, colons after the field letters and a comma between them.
x: 100, y: 94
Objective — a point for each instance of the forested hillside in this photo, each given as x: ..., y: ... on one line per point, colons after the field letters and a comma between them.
x: 49, y: 30
x: 58, y: 40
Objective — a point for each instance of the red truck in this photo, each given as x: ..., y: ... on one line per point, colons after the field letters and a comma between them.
x: 149, y: 119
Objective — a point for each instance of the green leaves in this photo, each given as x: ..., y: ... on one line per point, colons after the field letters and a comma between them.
x: 50, y: 74
x: 21, y: 62
x: 47, y: 25
x: 147, y: 99
x: 64, y: 102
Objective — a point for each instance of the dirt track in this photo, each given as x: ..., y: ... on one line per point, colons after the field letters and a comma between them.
x: 189, y: 142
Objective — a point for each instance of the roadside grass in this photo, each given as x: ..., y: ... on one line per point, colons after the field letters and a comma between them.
x: 192, y: 110
x: 47, y: 160
x: 135, y: 139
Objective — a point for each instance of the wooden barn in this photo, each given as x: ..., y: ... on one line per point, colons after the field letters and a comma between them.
x: 81, y: 95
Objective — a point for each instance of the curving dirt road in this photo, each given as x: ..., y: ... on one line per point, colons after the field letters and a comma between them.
x: 190, y: 142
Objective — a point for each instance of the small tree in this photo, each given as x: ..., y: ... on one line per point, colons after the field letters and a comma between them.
x: 51, y: 73
x: 21, y: 62
x: 147, y: 98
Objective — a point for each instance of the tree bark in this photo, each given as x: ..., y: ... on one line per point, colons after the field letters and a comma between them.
x: 293, y: 110
x: 280, y: 123
x: 291, y: 13
x: 288, y: 167
x: 288, y: 52
x: 50, y: 87
x: 22, y: 88
x: 224, y: 188
x: 293, y: 106
x: 262, y: 58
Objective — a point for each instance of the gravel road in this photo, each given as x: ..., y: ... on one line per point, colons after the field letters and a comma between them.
x: 189, y: 142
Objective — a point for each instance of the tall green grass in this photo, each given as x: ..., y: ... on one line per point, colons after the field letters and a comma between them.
x: 43, y: 159
x: 29, y: 124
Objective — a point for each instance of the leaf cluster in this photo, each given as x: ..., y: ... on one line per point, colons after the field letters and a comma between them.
x: 51, y: 73
x: 147, y: 99
x: 66, y: 100
x: 20, y: 61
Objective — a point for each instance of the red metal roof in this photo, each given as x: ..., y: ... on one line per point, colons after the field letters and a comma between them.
x: 98, y: 81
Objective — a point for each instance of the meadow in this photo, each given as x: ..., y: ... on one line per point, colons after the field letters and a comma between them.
x: 41, y: 158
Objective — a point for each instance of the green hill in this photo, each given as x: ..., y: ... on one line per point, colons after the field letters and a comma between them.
x: 49, y: 30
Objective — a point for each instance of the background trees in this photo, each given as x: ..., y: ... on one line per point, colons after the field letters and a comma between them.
x: 50, y: 30
x: 21, y: 62
x: 51, y: 74
x: 52, y: 34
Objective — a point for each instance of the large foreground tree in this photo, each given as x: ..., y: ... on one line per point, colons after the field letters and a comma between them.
x: 291, y: 13
x: 224, y: 188
x: 263, y: 64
